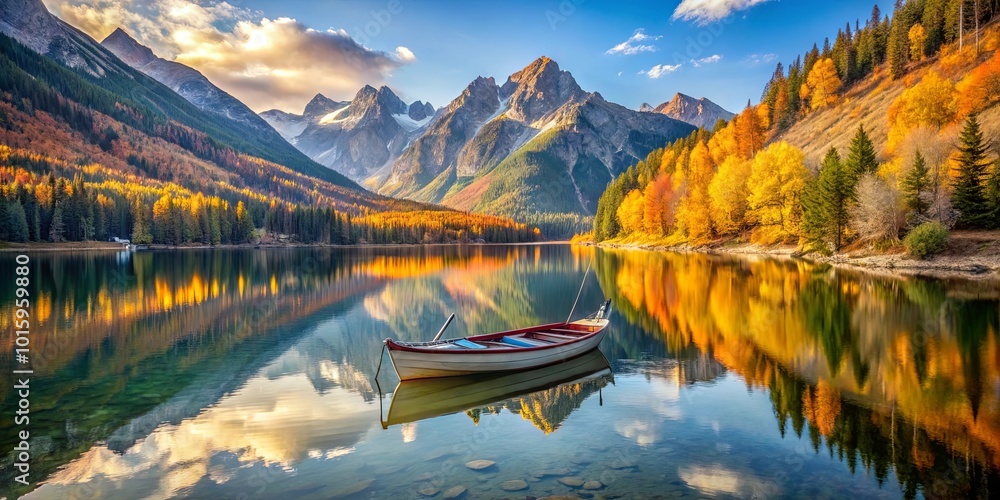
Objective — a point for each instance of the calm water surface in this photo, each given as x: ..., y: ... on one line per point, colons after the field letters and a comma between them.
x: 252, y: 373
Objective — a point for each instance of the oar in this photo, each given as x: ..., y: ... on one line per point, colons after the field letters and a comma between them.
x: 443, y: 328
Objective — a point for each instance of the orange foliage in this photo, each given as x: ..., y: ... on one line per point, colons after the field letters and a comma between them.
x: 980, y: 89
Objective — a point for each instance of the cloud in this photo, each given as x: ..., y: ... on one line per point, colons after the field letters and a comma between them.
x: 265, y: 63
x: 660, y: 70
x: 634, y: 44
x: 706, y: 11
x: 757, y: 59
x: 619, y: 73
x: 714, y: 58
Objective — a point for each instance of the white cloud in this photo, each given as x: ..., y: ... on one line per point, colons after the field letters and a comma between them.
x: 405, y: 55
x: 714, y: 58
x: 756, y: 59
x: 660, y: 70
x: 706, y: 11
x: 619, y: 73
x: 634, y: 44
x: 266, y: 63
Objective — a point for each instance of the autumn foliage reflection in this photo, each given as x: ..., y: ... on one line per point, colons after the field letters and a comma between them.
x: 889, y: 371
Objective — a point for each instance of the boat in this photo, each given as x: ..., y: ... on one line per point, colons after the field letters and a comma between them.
x: 414, y: 400
x: 513, y: 350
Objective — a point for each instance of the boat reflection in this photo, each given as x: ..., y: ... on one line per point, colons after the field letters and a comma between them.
x: 545, y: 396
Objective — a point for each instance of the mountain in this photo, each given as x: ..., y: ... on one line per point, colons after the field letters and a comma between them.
x: 28, y: 22
x: 701, y: 113
x: 355, y: 138
x: 96, y: 67
x: 537, y: 143
x: 188, y: 82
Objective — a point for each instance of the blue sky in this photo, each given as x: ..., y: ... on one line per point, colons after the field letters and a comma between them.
x: 455, y: 41
x: 278, y: 54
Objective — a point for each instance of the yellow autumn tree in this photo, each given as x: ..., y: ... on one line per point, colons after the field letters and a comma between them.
x: 694, y: 216
x: 658, y: 207
x: 728, y: 195
x: 723, y: 144
x: 821, y: 85
x: 918, y: 37
x: 777, y: 177
x: 750, y: 132
x: 630, y: 212
x: 932, y: 102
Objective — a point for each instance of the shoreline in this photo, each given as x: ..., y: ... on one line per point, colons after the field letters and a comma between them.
x: 946, y: 266
x: 102, y: 246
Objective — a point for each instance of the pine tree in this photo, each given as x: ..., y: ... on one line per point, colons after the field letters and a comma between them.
x: 244, y: 224
x: 993, y: 197
x: 968, y: 195
x: 835, y: 192
x: 813, y: 218
x: 140, y: 226
x: 17, y: 222
x: 915, y: 183
x: 861, y: 156
x: 57, y: 230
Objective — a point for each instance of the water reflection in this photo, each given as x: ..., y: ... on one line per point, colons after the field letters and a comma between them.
x: 227, y: 373
x: 885, y: 372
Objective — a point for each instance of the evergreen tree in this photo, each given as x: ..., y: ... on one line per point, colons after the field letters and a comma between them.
x: 915, y: 184
x: 35, y: 228
x: 57, y: 230
x: 141, y: 233
x: 993, y: 197
x: 835, y: 193
x: 244, y: 224
x: 813, y: 218
x: 968, y: 195
x: 17, y: 222
x: 861, y: 156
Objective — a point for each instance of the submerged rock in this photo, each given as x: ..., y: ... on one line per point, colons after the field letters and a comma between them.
x: 514, y: 485
x: 454, y: 492
x: 572, y: 481
x: 429, y: 491
x: 480, y: 464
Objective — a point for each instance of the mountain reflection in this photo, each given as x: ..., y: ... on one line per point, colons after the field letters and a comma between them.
x: 885, y: 371
x: 126, y: 342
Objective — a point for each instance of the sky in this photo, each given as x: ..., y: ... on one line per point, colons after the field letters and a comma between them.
x: 278, y: 54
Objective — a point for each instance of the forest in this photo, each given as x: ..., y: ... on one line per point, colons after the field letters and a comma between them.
x: 741, y: 178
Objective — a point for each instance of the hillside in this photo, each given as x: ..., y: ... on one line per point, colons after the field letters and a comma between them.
x: 96, y: 70
x: 868, y: 103
x: 886, y: 130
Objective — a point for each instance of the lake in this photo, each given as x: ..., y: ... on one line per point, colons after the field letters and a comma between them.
x: 252, y: 373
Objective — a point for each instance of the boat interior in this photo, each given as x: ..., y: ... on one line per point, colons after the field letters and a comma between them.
x: 547, y: 336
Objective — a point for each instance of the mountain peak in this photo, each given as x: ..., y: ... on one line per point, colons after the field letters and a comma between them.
x: 320, y: 105
x: 698, y: 112
x: 538, y: 89
x: 128, y: 49
x: 368, y: 98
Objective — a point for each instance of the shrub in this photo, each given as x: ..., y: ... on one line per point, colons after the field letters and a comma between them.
x: 926, y: 239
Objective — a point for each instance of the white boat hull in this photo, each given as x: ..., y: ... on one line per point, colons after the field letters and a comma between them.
x: 417, y: 365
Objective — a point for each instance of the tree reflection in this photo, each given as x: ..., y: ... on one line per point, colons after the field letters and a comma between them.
x: 885, y: 372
